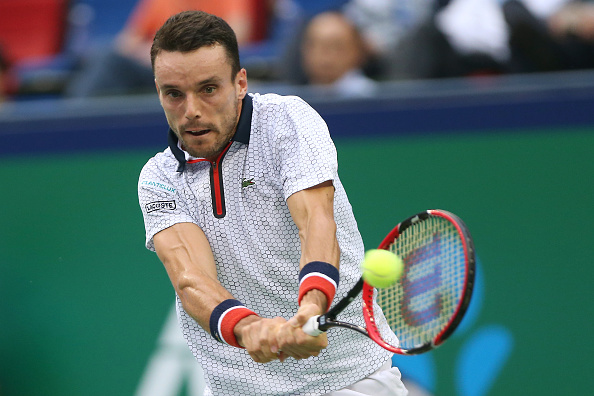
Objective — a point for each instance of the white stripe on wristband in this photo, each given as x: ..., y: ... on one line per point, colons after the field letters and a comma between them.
x: 320, y: 276
x: 224, y: 318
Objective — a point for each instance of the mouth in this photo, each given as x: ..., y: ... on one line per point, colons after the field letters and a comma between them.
x: 197, y: 132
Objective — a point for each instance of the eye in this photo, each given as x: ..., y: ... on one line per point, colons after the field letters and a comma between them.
x: 210, y: 89
x: 174, y: 94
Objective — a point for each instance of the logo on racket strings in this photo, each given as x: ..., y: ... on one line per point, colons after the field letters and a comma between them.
x: 422, y: 301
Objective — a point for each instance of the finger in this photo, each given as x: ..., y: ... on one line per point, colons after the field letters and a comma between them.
x: 256, y: 357
x: 303, y: 314
x: 260, y: 356
x: 298, y: 345
x: 267, y: 344
x: 285, y: 338
x: 252, y: 344
x: 299, y: 319
x: 264, y: 348
x: 273, y: 334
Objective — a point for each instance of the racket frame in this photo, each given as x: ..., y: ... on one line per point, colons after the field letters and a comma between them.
x: 464, y: 302
x: 318, y: 324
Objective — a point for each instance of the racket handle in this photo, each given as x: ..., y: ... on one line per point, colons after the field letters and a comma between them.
x: 311, y: 327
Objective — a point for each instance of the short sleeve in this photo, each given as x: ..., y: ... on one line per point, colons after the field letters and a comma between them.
x: 306, y: 153
x: 160, y: 200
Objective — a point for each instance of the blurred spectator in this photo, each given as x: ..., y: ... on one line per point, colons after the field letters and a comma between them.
x: 463, y: 38
x: 383, y: 26
x: 4, y: 76
x: 573, y: 19
x: 31, y: 31
x: 333, y: 53
x: 125, y: 68
x: 561, y: 39
x: 478, y: 37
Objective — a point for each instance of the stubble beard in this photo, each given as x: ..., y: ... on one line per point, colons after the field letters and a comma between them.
x: 223, y: 137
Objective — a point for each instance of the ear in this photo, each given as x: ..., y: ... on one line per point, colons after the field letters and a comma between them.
x: 241, y: 84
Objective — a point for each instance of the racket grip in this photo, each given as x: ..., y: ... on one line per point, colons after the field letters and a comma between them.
x: 311, y: 327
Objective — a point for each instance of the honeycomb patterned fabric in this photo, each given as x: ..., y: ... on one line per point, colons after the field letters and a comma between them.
x: 281, y: 146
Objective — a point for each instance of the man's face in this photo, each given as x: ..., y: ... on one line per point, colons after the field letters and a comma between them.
x: 330, y: 49
x: 201, y: 101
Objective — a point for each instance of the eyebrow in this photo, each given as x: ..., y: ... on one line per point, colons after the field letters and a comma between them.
x: 210, y: 80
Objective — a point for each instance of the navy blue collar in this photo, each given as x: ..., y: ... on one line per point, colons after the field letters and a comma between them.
x: 242, y: 134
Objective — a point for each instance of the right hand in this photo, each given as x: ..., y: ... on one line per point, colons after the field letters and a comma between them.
x: 259, y: 337
x: 294, y: 341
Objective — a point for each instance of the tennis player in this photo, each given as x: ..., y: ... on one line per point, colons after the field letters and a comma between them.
x: 247, y: 213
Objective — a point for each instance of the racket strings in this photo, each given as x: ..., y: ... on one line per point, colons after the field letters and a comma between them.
x: 424, y: 300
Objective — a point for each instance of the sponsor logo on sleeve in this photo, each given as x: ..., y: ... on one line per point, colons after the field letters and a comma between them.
x: 157, y: 186
x: 159, y: 205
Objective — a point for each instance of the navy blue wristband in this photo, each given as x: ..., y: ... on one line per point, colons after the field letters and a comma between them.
x: 224, y: 318
x: 321, y: 276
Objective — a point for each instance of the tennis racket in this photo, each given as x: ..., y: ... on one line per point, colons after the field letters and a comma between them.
x: 429, y: 300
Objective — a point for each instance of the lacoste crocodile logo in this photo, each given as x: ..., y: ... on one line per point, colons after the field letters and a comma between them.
x: 247, y: 182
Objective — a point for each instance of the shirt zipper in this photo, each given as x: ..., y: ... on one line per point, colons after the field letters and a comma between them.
x: 216, y: 183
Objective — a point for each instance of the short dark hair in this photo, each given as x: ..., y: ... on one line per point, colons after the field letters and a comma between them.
x: 191, y: 30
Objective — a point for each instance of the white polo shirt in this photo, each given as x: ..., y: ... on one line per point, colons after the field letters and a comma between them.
x: 281, y: 146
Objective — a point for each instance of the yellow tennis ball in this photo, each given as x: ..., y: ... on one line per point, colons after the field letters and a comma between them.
x: 381, y: 268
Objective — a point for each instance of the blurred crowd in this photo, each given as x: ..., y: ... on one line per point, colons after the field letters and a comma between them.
x: 89, y: 48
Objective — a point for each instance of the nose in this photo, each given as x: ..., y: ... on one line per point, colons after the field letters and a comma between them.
x: 192, y: 107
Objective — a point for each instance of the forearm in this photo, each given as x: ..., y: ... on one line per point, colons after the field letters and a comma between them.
x: 200, y: 296
x: 208, y: 302
x: 185, y: 252
x: 313, y: 213
x: 318, y: 241
x: 319, y: 244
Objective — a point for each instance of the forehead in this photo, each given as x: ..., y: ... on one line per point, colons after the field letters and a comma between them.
x: 204, y: 62
x: 329, y: 27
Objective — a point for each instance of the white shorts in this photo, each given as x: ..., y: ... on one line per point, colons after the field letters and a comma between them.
x: 384, y: 382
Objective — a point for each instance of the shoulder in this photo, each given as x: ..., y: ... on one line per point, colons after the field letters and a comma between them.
x: 285, y: 114
x: 162, y: 168
x: 164, y: 160
x: 280, y: 105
